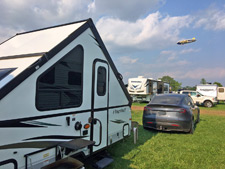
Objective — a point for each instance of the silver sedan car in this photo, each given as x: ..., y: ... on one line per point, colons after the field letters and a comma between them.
x: 171, y: 112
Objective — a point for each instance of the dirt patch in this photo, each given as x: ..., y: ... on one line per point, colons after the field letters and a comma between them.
x: 208, y: 112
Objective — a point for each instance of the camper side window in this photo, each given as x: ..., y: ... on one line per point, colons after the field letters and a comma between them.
x: 101, y: 81
x: 221, y: 90
x: 61, y: 86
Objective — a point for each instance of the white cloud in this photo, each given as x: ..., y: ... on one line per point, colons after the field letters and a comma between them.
x: 125, y: 10
x: 211, y: 19
x: 127, y: 60
x: 172, y: 54
x: 154, y: 31
x: 190, y: 50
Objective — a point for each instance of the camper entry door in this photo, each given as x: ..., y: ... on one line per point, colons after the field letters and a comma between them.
x: 100, y: 101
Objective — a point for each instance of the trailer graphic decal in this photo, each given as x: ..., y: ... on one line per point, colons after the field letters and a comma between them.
x: 117, y: 121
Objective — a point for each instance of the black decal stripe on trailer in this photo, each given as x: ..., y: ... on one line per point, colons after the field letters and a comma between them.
x: 21, y: 121
x: 5, y: 162
x: 54, y: 137
x: 33, y: 144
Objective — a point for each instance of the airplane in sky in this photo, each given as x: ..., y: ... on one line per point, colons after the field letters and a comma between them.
x: 182, y: 42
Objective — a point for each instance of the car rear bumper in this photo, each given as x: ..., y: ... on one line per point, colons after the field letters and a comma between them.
x: 168, y: 126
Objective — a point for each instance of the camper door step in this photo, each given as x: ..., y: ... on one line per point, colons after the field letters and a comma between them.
x: 77, y: 144
x: 104, y: 162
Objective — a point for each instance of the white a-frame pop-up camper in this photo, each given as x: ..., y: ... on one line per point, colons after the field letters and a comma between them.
x: 60, y: 94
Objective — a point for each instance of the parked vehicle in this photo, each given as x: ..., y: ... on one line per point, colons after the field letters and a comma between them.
x: 200, y: 99
x: 143, y: 89
x: 171, y: 112
x: 212, y: 90
x: 60, y: 95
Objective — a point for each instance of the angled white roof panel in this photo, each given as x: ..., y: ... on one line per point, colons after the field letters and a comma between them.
x: 37, y: 41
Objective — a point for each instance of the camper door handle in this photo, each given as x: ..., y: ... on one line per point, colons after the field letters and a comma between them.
x: 100, y: 132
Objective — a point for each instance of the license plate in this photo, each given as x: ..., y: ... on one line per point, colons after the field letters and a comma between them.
x: 161, y: 113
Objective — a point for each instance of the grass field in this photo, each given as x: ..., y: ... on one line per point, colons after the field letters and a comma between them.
x: 204, y: 149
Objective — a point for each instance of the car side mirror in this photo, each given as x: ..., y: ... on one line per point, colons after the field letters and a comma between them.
x: 198, y: 95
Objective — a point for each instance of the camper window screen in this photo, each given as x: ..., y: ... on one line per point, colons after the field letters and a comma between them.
x: 101, y: 81
x: 61, y: 85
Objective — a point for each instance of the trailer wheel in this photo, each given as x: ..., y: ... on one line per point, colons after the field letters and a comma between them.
x: 208, y: 103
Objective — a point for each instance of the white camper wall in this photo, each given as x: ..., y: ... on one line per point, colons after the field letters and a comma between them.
x: 207, y: 90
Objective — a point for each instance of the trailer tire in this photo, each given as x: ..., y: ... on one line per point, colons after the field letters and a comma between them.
x: 208, y: 103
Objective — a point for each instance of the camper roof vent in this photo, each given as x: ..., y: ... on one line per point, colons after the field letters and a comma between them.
x: 140, y: 76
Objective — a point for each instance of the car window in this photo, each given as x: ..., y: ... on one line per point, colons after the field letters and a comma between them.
x: 166, y: 100
x: 193, y: 94
x: 185, y: 101
x: 190, y: 102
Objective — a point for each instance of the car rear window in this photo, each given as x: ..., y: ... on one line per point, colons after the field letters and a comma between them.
x: 5, y: 72
x: 166, y: 100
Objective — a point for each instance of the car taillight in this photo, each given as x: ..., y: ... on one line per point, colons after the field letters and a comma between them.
x: 147, y: 109
x: 182, y: 111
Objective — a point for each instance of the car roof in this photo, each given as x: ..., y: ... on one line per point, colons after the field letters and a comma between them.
x: 171, y: 95
x: 188, y: 91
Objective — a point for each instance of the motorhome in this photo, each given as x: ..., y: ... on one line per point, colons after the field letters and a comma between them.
x: 212, y: 90
x: 60, y: 95
x: 143, y: 89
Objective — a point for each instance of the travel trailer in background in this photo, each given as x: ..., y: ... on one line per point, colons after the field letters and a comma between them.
x: 143, y: 89
x: 60, y: 95
x: 212, y: 90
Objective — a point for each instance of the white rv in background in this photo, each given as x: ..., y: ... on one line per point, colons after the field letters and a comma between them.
x: 212, y: 90
x: 60, y: 95
x: 143, y: 89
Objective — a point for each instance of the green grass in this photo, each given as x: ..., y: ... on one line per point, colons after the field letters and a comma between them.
x: 220, y: 106
x: 204, y: 149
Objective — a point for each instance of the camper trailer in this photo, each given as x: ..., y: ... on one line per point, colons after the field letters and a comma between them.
x: 60, y: 95
x: 143, y: 89
x: 212, y: 90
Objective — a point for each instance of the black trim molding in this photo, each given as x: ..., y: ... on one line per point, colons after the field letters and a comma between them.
x: 13, y: 161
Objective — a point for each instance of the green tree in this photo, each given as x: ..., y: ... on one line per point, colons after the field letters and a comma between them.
x: 190, y: 88
x: 218, y: 84
x: 173, y: 83
x: 203, y: 81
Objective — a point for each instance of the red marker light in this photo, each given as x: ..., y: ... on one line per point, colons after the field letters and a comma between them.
x: 86, y: 126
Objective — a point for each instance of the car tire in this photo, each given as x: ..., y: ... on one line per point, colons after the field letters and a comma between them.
x: 192, y: 127
x: 208, y: 104
x: 146, y: 128
x: 198, y: 118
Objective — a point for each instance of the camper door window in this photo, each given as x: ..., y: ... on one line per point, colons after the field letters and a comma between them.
x: 61, y: 85
x: 101, y: 81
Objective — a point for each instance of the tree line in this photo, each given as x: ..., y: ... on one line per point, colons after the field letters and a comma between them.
x: 175, y: 85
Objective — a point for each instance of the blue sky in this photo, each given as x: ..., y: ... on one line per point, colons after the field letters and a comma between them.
x: 140, y: 36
